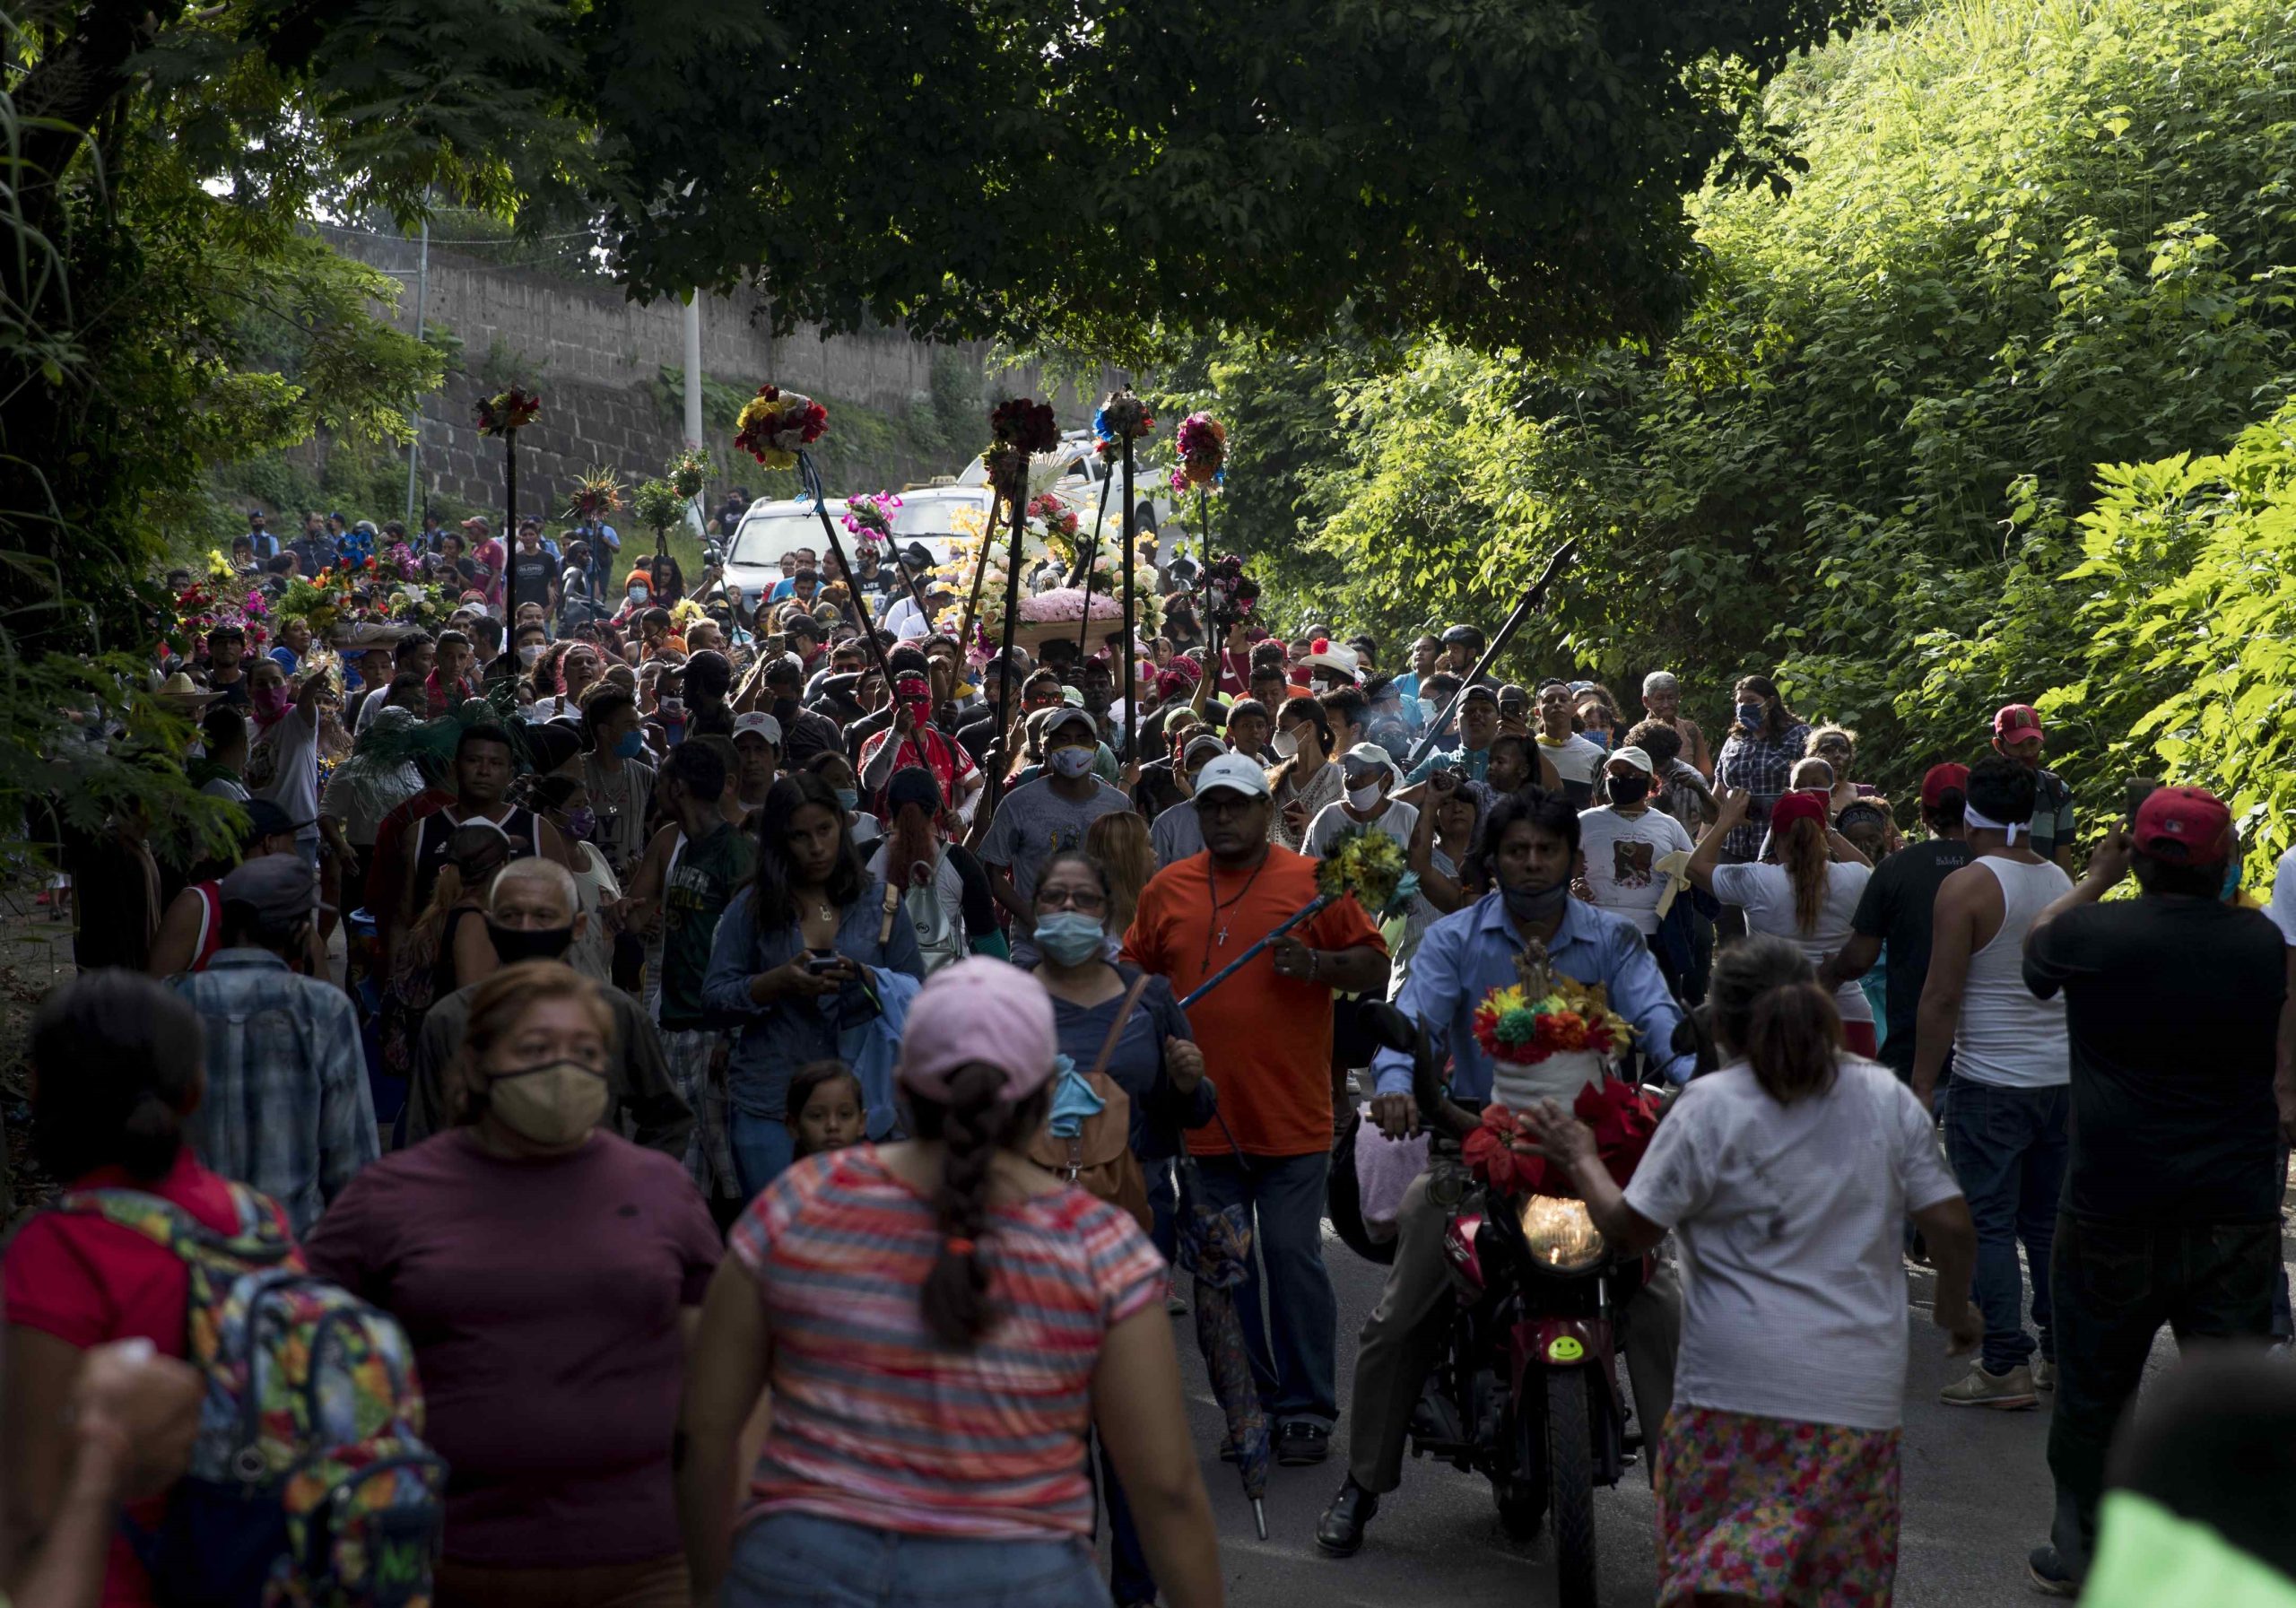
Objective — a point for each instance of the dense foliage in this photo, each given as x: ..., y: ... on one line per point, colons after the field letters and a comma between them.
x: 2031, y: 239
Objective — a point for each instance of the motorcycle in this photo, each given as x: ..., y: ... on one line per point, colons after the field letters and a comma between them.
x: 1526, y: 1387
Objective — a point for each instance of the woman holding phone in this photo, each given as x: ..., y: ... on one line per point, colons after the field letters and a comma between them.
x: 793, y: 961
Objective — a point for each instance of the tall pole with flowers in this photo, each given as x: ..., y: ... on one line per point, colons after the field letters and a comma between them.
x: 1111, y: 446
x: 775, y: 427
x: 504, y: 415
x: 1202, y: 443
x: 1019, y: 430
x: 1125, y: 418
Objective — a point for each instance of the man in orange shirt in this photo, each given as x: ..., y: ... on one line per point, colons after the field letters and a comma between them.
x: 1266, y: 1034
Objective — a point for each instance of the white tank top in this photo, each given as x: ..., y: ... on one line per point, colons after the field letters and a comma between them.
x: 2006, y: 1037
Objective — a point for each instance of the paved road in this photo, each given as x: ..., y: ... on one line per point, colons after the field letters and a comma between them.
x: 1975, y: 1497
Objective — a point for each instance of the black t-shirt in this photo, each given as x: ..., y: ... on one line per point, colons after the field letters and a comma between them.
x: 2172, y: 1006
x: 1897, y: 907
x: 530, y: 577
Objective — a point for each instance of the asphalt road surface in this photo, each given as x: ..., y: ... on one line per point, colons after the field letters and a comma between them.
x: 1977, y: 1497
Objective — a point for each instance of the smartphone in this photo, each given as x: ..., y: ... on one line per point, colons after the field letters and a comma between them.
x: 820, y: 962
x: 2138, y: 789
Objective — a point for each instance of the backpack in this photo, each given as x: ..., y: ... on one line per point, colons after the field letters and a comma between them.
x: 938, y: 941
x: 1098, y: 1160
x: 310, y: 1484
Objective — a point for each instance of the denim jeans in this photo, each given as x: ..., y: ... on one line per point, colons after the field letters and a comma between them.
x: 1294, y: 1346
x: 2008, y: 1147
x: 763, y: 1148
x: 2115, y: 1284
x: 797, y: 1560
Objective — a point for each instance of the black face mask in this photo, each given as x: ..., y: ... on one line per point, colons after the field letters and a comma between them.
x: 783, y: 708
x: 514, y: 944
x: 1627, y: 789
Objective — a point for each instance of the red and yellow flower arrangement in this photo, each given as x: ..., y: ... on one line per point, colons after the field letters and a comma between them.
x: 514, y: 409
x: 1511, y: 1026
x: 775, y: 424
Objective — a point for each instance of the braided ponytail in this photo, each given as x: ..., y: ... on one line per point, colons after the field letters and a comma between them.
x: 973, y: 1126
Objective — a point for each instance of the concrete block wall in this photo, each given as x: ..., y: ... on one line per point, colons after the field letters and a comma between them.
x: 593, y: 355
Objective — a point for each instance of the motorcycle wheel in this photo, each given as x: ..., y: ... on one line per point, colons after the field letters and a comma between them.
x: 1571, y: 1475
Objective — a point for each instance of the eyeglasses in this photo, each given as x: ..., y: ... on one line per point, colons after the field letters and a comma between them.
x: 1069, y: 898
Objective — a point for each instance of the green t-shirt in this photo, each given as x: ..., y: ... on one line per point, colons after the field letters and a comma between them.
x: 703, y: 878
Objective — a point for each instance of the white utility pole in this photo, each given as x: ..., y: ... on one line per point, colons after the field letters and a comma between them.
x: 694, y: 394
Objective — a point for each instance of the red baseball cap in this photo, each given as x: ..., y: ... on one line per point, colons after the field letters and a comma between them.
x: 2187, y: 826
x: 2016, y: 720
x: 1792, y: 807
x: 1943, y: 779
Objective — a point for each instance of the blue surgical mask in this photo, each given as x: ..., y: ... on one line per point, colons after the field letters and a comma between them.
x: 1069, y: 936
x: 630, y: 746
x: 2231, y: 881
x: 849, y: 798
x: 1752, y: 714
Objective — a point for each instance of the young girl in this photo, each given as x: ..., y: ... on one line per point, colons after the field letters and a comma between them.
x: 826, y: 1109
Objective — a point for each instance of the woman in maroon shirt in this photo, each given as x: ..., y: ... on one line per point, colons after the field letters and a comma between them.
x: 548, y: 1273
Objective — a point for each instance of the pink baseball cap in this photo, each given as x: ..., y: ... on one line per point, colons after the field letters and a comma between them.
x: 978, y: 1010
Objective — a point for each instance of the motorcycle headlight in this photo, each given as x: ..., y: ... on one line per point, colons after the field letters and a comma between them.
x: 1561, y: 1234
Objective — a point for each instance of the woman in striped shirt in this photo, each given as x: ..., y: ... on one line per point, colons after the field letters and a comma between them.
x: 939, y: 1322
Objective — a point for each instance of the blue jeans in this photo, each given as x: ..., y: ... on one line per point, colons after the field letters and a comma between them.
x: 1294, y: 1346
x: 796, y: 1561
x: 2008, y: 1150
x: 763, y: 1148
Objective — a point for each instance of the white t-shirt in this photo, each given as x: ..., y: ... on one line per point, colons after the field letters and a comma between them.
x: 1793, y: 1297
x: 595, y: 887
x: 225, y: 788
x: 1576, y: 759
x: 1623, y: 852
x: 1398, y: 822
x: 2282, y: 907
x: 1765, y: 893
x: 284, y: 766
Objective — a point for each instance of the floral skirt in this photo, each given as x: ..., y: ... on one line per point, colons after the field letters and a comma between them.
x: 1800, y: 1514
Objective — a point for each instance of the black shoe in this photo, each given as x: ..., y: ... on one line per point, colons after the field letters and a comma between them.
x: 2049, y: 1574
x: 1297, y: 1445
x: 1340, y: 1531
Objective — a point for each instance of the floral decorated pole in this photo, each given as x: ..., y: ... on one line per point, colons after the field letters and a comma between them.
x: 1110, y: 444
x: 1202, y: 442
x: 1128, y: 421
x: 1021, y: 429
x: 775, y: 427
x: 1230, y: 597
x: 1364, y: 863
x: 871, y: 519
x: 504, y: 415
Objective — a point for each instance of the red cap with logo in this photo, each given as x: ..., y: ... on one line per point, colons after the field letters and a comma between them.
x: 2186, y: 826
x: 2015, y: 722
x: 1940, y: 780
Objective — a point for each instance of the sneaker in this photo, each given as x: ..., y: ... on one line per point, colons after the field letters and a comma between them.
x: 2044, y: 1374
x: 1298, y: 1444
x: 2048, y: 1574
x: 1982, y: 1388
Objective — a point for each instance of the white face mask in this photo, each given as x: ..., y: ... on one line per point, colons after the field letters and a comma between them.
x: 529, y: 654
x: 1287, y: 746
x: 1366, y: 796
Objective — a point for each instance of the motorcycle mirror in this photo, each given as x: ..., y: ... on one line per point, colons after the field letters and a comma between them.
x: 1390, y: 1027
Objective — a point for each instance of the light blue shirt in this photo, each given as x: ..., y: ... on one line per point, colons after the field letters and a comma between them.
x: 286, y: 1110
x: 1469, y: 952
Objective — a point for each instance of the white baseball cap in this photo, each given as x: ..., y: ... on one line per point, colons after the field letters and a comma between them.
x: 1234, y: 773
x: 1635, y: 757
x: 759, y: 723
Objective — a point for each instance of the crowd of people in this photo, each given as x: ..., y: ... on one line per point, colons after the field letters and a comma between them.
x: 762, y: 1072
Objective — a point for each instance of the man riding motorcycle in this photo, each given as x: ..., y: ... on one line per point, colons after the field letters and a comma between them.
x: 1533, y: 854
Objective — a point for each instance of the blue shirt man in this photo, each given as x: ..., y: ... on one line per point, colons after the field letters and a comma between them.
x: 1471, y: 952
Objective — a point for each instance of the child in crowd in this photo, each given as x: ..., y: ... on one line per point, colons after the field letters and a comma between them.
x: 826, y: 1109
